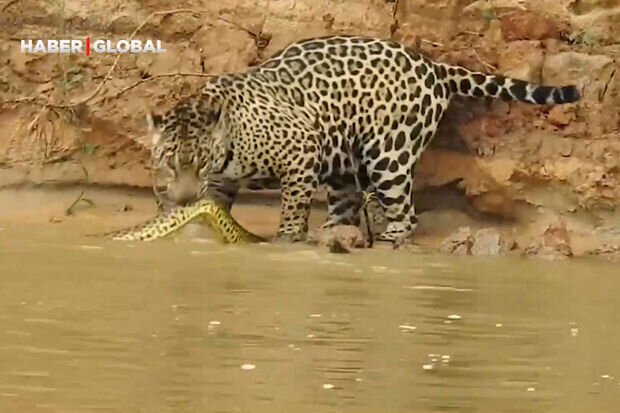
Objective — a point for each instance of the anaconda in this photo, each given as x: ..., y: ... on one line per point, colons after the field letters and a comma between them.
x: 212, y: 212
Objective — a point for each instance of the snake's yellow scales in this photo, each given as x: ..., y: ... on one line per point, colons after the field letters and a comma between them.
x: 212, y: 212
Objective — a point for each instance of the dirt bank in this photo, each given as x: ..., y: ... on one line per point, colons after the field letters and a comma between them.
x: 531, y: 167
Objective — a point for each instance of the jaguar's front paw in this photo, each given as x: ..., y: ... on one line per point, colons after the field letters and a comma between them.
x: 397, y: 239
x: 289, y: 238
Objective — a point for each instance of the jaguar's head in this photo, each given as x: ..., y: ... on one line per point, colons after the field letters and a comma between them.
x: 184, y: 142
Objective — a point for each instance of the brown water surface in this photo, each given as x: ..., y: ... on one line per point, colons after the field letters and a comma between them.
x: 90, y: 325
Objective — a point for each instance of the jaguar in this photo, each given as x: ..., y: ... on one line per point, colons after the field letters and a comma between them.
x: 352, y: 113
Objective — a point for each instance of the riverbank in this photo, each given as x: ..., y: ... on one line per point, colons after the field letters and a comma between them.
x: 445, y: 229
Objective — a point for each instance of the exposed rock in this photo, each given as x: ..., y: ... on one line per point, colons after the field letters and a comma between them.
x: 600, y: 24
x: 235, y: 54
x: 567, y: 68
x: 526, y: 25
x: 554, y: 243
x: 487, y: 241
x: 182, y: 24
x: 338, y: 237
x: 562, y: 115
x: 494, y: 202
x: 597, y: 76
x: 522, y: 60
x: 122, y: 24
x: 459, y: 243
x: 335, y: 247
x: 554, y: 9
x: 608, y: 251
x: 431, y: 19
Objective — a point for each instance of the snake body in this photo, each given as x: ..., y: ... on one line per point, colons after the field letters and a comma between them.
x: 213, y: 213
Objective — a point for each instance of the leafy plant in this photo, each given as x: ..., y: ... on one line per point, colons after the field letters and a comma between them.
x: 72, y: 77
x: 489, y: 14
x: 89, y: 148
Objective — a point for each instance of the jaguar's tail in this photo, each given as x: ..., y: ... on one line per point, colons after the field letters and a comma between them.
x: 476, y: 84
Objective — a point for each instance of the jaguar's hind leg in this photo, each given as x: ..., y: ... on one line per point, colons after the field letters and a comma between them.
x: 344, y: 201
x: 391, y: 177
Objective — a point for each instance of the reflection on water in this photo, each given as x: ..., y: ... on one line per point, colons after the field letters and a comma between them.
x: 89, y: 325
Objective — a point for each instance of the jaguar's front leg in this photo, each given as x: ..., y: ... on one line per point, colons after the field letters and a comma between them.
x: 298, y: 188
x: 223, y: 190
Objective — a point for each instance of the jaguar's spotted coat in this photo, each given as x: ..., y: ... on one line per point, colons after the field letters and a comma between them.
x: 321, y: 111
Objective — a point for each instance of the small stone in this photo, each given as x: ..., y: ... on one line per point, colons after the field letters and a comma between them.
x: 335, y: 247
x: 561, y: 115
x: 328, y: 386
x: 459, y: 243
x: 487, y: 242
x: 554, y: 244
x: 339, y: 238
x: 248, y: 366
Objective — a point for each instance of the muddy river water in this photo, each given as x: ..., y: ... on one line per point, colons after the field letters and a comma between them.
x: 90, y: 325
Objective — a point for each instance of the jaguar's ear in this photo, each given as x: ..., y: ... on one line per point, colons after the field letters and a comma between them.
x: 152, y: 123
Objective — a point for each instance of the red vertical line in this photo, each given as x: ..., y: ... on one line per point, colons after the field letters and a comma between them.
x: 88, y: 46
